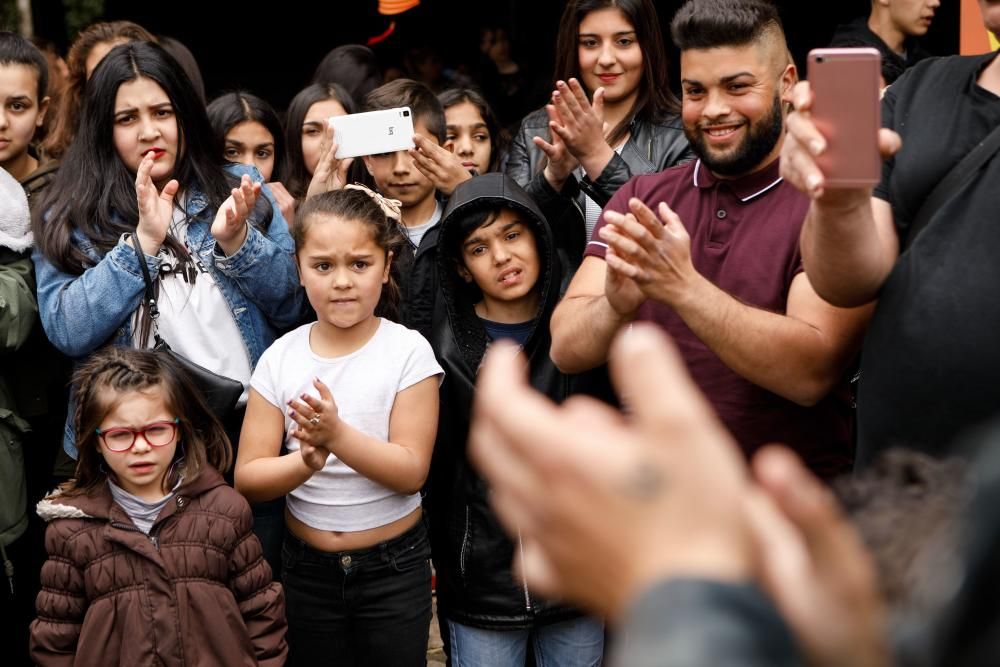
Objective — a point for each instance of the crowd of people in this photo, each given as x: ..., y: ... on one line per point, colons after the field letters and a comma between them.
x: 627, y: 382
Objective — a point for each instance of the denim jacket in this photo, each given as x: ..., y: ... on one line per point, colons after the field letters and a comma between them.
x: 81, y: 313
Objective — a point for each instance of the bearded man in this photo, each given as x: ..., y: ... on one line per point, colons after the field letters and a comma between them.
x: 710, y: 251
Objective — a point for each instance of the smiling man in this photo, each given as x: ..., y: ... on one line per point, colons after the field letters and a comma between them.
x: 709, y: 251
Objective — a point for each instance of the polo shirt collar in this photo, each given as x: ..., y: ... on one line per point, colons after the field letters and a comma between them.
x: 746, y: 188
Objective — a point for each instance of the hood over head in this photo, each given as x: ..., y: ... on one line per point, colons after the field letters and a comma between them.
x: 490, y: 192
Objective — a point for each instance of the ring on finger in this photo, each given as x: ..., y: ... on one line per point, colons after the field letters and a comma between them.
x: 314, y: 419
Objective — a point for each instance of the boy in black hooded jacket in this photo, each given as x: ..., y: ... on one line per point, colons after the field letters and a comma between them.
x: 499, y: 277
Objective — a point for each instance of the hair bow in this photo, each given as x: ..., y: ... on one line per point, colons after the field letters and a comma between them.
x: 391, y: 207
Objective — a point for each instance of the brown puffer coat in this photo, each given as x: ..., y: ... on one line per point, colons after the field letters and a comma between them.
x: 195, y: 592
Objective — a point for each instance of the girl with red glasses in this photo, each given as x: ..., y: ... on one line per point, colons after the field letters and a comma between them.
x: 151, y: 555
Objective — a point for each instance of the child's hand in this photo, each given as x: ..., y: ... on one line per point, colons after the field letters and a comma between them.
x: 314, y: 457
x: 331, y: 173
x: 317, y: 418
x: 230, y: 225
x: 438, y: 164
x: 155, y: 208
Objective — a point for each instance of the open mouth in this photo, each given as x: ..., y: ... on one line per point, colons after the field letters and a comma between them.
x: 142, y: 467
x: 510, y: 277
x: 721, y: 132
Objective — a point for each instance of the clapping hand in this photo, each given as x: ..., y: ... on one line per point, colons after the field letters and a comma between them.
x: 317, y: 422
x: 230, y: 225
x: 156, y: 209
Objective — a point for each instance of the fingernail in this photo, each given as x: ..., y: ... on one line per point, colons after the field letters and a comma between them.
x: 816, y: 147
x: 813, y: 182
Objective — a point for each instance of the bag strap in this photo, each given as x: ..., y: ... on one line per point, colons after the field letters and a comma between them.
x: 949, y: 186
x: 154, y: 310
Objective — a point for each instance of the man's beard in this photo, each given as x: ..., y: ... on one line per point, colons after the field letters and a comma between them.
x: 760, y: 140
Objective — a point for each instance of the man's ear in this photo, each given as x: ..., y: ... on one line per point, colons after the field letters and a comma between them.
x: 43, y: 107
x: 388, y: 264
x: 789, y: 77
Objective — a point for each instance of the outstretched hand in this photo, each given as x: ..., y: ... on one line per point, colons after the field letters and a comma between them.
x: 804, y: 143
x: 814, y: 566
x: 330, y: 173
x: 439, y: 165
x: 156, y: 208
x: 230, y: 225
x: 607, y: 506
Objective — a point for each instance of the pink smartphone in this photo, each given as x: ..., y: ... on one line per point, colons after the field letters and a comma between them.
x: 847, y: 111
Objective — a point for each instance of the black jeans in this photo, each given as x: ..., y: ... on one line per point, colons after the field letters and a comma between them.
x: 366, y: 607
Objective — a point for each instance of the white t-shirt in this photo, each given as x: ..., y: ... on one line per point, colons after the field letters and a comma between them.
x: 195, y: 318
x: 364, y: 385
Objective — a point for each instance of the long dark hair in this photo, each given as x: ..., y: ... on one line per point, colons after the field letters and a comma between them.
x: 94, y: 192
x: 110, y: 373
x: 67, y: 117
x: 352, y: 204
x: 655, y: 99
x: 231, y: 109
x: 298, y: 177
x: 498, y: 137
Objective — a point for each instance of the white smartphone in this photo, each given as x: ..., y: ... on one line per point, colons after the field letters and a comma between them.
x: 373, y: 132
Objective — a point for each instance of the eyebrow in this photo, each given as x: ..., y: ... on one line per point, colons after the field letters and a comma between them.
x: 474, y: 126
x: 315, y: 258
x: 19, y: 98
x: 473, y: 240
x: 312, y: 123
x: 725, y: 79
x: 154, y: 107
x: 240, y: 144
x: 617, y: 34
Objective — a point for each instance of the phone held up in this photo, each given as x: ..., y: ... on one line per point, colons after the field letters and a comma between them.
x: 373, y: 132
x: 846, y: 110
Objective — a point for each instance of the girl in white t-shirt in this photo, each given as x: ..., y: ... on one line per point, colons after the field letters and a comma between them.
x: 341, y: 417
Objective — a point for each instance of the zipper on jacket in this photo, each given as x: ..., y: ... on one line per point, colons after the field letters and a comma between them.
x: 133, y: 529
x: 524, y: 574
x: 465, y: 543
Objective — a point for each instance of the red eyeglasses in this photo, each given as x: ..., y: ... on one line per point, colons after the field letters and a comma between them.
x: 157, y: 434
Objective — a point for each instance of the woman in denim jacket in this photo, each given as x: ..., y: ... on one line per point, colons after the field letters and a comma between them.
x: 142, y: 172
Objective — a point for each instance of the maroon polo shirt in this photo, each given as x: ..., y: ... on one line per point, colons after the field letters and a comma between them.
x: 744, y: 239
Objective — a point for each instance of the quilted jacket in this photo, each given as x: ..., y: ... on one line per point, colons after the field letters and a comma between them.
x: 195, y: 591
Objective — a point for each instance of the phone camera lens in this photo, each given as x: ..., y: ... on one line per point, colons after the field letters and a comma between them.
x: 819, y: 59
x: 406, y: 113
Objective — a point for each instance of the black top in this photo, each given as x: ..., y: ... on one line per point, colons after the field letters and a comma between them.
x: 931, y: 363
x: 857, y: 33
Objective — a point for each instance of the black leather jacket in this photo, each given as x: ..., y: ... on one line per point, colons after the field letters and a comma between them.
x: 651, y: 147
x: 472, y: 552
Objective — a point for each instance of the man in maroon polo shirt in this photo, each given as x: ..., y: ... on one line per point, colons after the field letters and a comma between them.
x: 710, y: 251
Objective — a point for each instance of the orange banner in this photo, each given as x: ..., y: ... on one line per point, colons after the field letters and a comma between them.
x: 975, y: 37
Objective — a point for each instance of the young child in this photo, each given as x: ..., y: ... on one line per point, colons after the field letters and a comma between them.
x: 353, y: 397
x: 151, y: 555
x: 499, y: 278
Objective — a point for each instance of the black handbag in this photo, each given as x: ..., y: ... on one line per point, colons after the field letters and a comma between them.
x: 219, y: 392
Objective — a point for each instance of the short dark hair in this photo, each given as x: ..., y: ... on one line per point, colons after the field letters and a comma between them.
x: 16, y: 50
x: 409, y: 93
x: 353, y: 66
x: 707, y: 24
x: 229, y: 110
